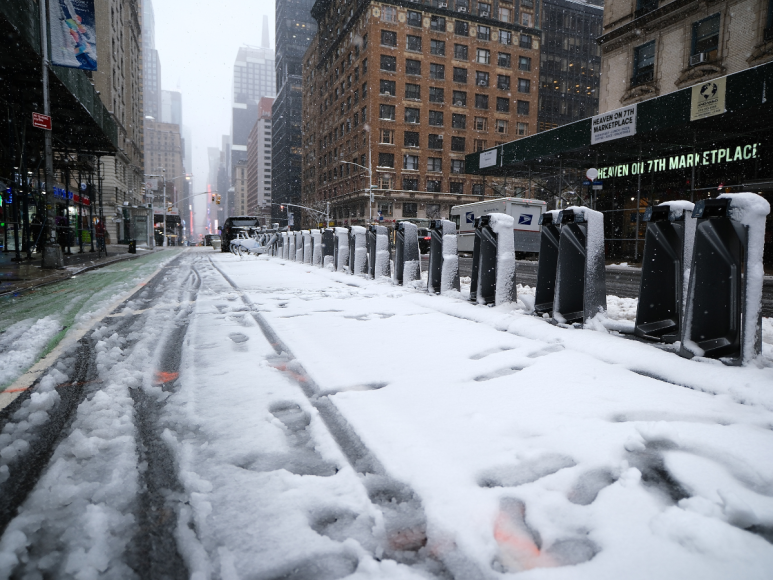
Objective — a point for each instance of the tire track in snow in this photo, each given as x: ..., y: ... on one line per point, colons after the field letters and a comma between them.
x: 401, y: 506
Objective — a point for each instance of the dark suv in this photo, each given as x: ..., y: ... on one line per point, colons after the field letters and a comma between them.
x: 232, y: 227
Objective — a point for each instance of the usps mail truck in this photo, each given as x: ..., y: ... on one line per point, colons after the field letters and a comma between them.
x: 526, y: 229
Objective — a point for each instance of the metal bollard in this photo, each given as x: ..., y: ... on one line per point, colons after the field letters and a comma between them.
x: 581, y: 290
x: 669, y: 239
x: 548, y: 262
x: 443, y: 271
x: 496, y: 259
x: 328, y: 247
x: 407, y: 264
x: 722, y: 316
x: 358, y: 253
x: 341, y: 249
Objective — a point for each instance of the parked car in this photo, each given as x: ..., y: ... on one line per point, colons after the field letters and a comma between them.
x: 208, y: 238
x: 232, y: 227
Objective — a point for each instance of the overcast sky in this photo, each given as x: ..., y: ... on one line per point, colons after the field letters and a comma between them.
x: 197, y: 41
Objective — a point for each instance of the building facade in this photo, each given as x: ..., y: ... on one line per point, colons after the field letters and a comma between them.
x: 120, y: 85
x: 259, y: 163
x: 570, y: 61
x: 151, y: 63
x: 295, y: 29
x: 163, y: 149
x: 397, y: 93
x: 652, y: 48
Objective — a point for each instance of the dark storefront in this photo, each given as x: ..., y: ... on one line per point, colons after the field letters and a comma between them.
x: 670, y: 157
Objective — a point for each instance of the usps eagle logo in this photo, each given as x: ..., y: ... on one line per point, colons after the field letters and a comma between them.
x: 470, y: 217
x: 524, y: 220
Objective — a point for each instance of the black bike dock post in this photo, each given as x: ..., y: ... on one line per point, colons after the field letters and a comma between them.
x: 370, y: 247
x: 661, y: 292
x: 382, y: 263
x: 580, y: 291
x: 358, y: 251
x: 722, y: 316
x: 443, y: 271
x: 341, y: 249
x: 328, y: 247
x: 299, y: 246
x: 475, y: 261
x: 494, y: 284
x: 548, y: 262
x: 407, y: 267
x: 316, y: 248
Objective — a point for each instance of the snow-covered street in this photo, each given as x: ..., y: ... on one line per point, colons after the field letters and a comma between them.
x: 260, y: 418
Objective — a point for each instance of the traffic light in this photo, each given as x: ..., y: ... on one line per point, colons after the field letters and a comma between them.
x: 281, y: 208
x: 218, y: 199
x: 214, y: 196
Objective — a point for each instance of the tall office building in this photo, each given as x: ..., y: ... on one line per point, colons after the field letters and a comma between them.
x: 295, y: 29
x: 151, y: 64
x: 259, y: 163
x: 171, y: 107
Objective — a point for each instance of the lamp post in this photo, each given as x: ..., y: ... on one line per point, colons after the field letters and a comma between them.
x: 370, y: 186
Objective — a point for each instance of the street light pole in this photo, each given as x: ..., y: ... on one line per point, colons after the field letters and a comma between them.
x: 163, y: 244
x: 370, y: 180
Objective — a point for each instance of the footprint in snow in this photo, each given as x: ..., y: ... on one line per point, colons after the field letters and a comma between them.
x: 525, y: 472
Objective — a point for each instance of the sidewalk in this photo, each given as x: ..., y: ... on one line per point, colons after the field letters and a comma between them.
x: 16, y: 276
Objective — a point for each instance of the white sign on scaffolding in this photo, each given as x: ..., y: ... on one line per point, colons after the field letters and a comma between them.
x: 613, y: 125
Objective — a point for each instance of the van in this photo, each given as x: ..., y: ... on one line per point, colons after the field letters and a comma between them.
x: 526, y: 213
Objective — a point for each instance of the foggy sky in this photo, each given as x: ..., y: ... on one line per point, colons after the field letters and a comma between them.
x: 197, y: 42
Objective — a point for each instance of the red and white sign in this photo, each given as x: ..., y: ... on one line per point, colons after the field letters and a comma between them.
x: 41, y: 121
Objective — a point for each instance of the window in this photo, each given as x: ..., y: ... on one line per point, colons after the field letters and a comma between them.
x: 484, y: 32
x: 503, y: 82
x: 463, y: 5
x: 483, y: 56
x: 462, y: 28
x: 411, y: 115
x: 387, y: 136
x: 480, y: 145
x: 459, y: 121
x: 457, y: 166
x: 500, y: 126
x: 386, y: 160
x: 481, y: 78
x: 484, y: 10
x: 384, y: 209
x: 503, y: 105
x: 525, y: 41
x: 524, y: 63
x: 526, y: 19
x: 705, y: 36
x: 388, y: 38
x: 412, y: 67
x: 386, y: 112
x: 481, y: 101
x: 412, y: 91
x: 460, y: 75
x: 460, y: 99
x: 435, y: 141
x: 385, y: 181
x: 410, y: 139
x: 481, y: 124
x: 410, y: 184
x: 364, y: 65
x: 387, y: 87
x: 434, y: 164
x: 643, y: 63
x: 477, y: 189
x: 503, y: 60
x: 457, y: 144
x: 436, y: 95
x: 364, y: 90
x: 436, y: 118
x: 364, y: 114
x: 456, y: 187
x: 524, y: 86
x: 410, y: 210
x: 389, y: 14
x: 437, y: 23
x: 522, y: 107
x: 504, y: 15
x: 523, y: 129
x: 437, y: 47
x: 460, y: 51
x: 413, y: 43
x: 388, y: 63
x: 505, y: 37
x: 433, y: 186
x: 414, y: 18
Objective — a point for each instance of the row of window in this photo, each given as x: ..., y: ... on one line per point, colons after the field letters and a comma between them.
x: 414, y: 43
x: 458, y: 121
x: 438, y: 94
x: 438, y: 72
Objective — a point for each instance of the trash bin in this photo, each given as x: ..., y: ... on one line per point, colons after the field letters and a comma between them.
x: 580, y: 291
x: 548, y: 262
x: 669, y: 238
x: 407, y: 265
x: 495, y: 273
x: 358, y: 256
x: 328, y: 247
x: 341, y: 249
x: 132, y: 246
x: 722, y: 316
x: 443, y: 270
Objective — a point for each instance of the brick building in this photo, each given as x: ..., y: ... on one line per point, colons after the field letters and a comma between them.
x: 652, y: 48
x: 259, y: 153
x: 403, y: 90
x: 163, y: 148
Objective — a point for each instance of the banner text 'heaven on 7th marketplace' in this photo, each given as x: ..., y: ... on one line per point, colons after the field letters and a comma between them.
x: 684, y: 161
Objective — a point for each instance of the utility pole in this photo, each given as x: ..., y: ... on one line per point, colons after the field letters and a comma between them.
x: 52, y: 253
x: 163, y: 244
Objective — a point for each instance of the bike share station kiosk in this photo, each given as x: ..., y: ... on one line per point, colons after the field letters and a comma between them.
x: 682, y: 185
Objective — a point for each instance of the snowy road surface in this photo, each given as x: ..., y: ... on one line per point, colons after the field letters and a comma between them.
x: 257, y: 418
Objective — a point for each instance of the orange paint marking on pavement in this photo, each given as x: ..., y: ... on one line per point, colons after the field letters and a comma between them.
x: 79, y: 384
x: 518, y: 550
x: 163, y: 377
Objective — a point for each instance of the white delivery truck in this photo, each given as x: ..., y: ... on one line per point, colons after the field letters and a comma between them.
x: 526, y: 213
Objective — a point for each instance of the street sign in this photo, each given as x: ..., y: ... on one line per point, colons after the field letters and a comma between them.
x: 586, y: 182
x: 41, y: 121
x: 598, y: 184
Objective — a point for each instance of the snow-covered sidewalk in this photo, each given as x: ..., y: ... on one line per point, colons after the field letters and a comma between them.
x: 568, y: 453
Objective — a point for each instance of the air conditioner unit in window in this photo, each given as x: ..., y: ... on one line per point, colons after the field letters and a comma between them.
x: 698, y: 58
x: 462, y: 9
x: 481, y: 83
x: 443, y: 4
x: 458, y: 104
